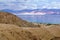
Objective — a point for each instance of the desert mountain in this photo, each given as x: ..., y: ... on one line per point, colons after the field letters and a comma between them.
x: 8, y: 18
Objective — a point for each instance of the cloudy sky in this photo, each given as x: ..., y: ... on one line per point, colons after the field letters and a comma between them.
x: 29, y: 4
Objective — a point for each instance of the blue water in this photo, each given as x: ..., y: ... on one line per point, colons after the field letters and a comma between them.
x: 53, y: 19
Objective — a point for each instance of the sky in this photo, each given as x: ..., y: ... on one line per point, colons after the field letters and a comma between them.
x: 29, y: 4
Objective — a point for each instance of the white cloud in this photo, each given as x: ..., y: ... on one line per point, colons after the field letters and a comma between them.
x: 7, y: 0
x: 44, y: 6
x: 32, y: 13
x: 31, y: 6
x: 28, y: 4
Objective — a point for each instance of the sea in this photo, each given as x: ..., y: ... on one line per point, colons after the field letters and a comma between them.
x: 48, y: 19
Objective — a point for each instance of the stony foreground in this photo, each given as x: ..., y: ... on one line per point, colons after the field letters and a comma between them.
x: 13, y: 32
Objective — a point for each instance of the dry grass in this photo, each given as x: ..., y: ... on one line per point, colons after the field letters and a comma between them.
x: 13, y: 32
x: 40, y: 33
x: 55, y: 30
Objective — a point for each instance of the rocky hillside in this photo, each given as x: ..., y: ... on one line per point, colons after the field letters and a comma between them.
x: 8, y: 18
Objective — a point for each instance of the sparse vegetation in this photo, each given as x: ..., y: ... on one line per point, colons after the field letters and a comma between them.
x: 48, y: 24
x: 13, y: 32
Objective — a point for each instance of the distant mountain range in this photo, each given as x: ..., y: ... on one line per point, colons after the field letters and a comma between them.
x: 52, y: 15
x: 47, y: 11
x: 16, y: 11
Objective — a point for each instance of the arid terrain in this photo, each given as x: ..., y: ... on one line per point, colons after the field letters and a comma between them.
x: 14, y: 28
x: 8, y: 18
x: 14, y: 32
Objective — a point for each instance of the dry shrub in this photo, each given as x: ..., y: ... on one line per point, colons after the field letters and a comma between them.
x: 13, y: 32
x: 56, y: 38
